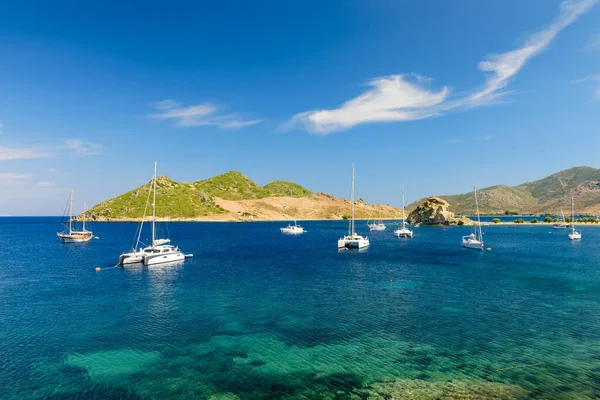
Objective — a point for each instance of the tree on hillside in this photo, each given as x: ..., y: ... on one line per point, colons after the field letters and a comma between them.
x: 496, y: 220
x: 519, y: 221
x: 534, y: 221
x: 548, y: 219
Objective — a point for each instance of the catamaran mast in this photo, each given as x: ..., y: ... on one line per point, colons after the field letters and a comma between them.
x: 478, y: 219
x: 154, y: 205
x: 83, y: 216
x: 573, y: 214
x: 403, y: 220
x: 352, y: 195
x: 71, y: 212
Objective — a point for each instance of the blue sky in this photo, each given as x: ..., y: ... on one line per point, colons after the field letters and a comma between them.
x: 434, y: 95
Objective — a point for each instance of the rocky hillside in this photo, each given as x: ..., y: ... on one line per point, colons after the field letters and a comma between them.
x: 435, y: 211
x: 544, y: 196
x: 231, y: 196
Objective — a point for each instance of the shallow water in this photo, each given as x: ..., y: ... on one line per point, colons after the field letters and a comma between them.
x: 259, y: 315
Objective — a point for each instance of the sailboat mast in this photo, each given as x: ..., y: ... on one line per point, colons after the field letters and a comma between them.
x: 573, y: 214
x: 403, y: 220
x: 154, y: 206
x: 71, y: 212
x: 478, y: 219
x: 83, y: 216
x: 352, y: 222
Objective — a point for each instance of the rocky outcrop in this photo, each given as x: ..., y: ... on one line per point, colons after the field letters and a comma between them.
x: 435, y: 211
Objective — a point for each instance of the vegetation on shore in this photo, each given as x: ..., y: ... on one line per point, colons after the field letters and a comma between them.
x: 544, y: 196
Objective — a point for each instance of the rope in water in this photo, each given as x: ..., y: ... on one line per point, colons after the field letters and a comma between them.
x: 98, y: 269
x: 518, y: 366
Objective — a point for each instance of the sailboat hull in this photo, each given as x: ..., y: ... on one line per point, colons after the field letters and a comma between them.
x: 163, y: 258
x: 75, y: 237
x: 472, y: 244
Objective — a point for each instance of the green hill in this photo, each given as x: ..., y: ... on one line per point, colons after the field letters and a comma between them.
x: 232, y: 185
x: 286, y: 188
x: 185, y: 200
x: 545, y: 195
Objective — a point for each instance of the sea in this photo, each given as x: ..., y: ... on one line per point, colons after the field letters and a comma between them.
x: 259, y: 315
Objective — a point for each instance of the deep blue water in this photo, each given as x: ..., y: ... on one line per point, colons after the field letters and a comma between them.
x: 259, y: 315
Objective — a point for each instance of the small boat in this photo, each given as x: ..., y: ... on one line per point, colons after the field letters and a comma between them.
x: 353, y: 240
x: 403, y: 231
x: 561, y: 224
x: 292, y: 229
x: 376, y: 225
x: 574, y: 235
x: 74, y: 236
x: 475, y: 239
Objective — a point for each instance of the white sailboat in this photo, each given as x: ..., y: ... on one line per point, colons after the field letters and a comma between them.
x: 561, y: 224
x: 376, y: 225
x: 292, y: 229
x: 403, y: 231
x: 74, y: 236
x: 475, y: 239
x: 353, y: 240
x: 574, y: 235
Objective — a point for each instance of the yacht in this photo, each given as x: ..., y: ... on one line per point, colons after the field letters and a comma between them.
x: 353, y: 240
x: 160, y: 251
x: 376, y: 225
x: 71, y: 235
x: 403, y: 231
x: 292, y: 229
x: 574, y: 235
x: 475, y: 239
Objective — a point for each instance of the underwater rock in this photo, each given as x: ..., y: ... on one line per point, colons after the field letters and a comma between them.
x: 401, y: 389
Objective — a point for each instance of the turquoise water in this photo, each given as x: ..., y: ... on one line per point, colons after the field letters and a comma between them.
x: 259, y: 315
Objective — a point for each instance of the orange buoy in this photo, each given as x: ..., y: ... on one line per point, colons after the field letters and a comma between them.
x: 98, y: 269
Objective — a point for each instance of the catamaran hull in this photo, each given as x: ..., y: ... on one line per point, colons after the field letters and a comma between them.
x: 360, y: 244
x: 291, y: 231
x: 130, y: 258
x: 163, y: 258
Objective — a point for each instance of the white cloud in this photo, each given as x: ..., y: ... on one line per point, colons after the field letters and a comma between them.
x: 199, y: 115
x: 595, y: 80
x: 14, y: 179
x: 53, y: 170
x: 488, y: 137
x: 395, y: 98
x: 46, y: 183
x: 593, y: 44
x: 83, y: 148
x: 21, y: 153
x: 502, y: 67
x: 391, y: 98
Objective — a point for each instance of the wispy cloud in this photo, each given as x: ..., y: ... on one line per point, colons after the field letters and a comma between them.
x: 21, y: 153
x: 14, y: 179
x: 83, y: 148
x: 593, y: 79
x: 199, y: 115
x: 593, y: 44
x: 391, y: 98
x: 1, y: 127
x: 46, y: 183
x: 488, y: 137
x: 396, y: 98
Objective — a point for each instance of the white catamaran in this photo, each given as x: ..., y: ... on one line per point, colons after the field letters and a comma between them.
x: 352, y: 240
x: 160, y: 251
x: 574, y: 235
x: 403, y: 231
x: 74, y: 236
x: 475, y: 239
x: 292, y: 229
x: 376, y: 225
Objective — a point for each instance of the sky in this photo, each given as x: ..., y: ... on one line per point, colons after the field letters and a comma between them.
x: 436, y: 96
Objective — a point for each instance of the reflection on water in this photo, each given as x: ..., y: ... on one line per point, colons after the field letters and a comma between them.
x: 294, y: 318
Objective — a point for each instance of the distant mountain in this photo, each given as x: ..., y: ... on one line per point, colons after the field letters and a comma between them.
x: 543, y: 196
x: 231, y: 196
